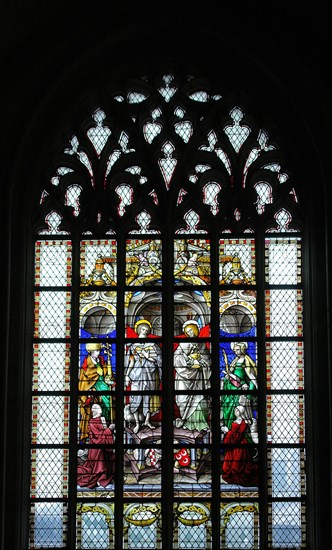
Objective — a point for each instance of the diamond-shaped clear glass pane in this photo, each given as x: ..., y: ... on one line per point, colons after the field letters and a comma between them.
x: 142, y: 524
x: 95, y: 526
x: 52, y: 314
x: 53, y: 263
x: 49, y: 478
x: 284, y: 365
x: 210, y: 196
x: 48, y: 521
x: 99, y: 135
x: 285, y: 418
x: 239, y: 525
x: 283, y: 257
x: 126, y: 195
x: 51, y: 366
x: 151, y: 130
x: 200, y: 96
x: 286, y: 470
x: 237, y: 133
x: 184, y: 129
x: 284, y: 312
x: 50, y: 419
x: 285, y: 525
x: 193, y: 525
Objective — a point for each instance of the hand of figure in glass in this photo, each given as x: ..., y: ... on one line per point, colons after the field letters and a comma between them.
x: 109, y: 380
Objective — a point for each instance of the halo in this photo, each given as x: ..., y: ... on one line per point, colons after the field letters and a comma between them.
x: 242, y: 344
x: 142, y: 322
x: 193, y: 324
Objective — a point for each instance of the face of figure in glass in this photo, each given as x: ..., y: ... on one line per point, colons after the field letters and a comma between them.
x: 239, y: 412
x: 191, y: 329
x: 143, y: 330
x: 96, y: 410
x: 95, y: 353
x: 238, y: 350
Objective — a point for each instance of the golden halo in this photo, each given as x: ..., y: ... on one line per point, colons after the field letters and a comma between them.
x: 193, y: 324
x: 142, y: 322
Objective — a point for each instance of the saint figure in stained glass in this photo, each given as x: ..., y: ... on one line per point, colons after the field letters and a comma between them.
x: 240, y: 375
x: 143, y: 373
x: 95, y: 376
x: 192, y: 372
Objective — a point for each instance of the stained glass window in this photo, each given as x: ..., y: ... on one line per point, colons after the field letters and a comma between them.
x: 168, y: 350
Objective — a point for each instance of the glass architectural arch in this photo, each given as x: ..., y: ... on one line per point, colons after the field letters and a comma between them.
x: 168, y: 372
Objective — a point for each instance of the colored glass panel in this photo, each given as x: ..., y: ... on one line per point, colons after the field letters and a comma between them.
x: 143, y: 262
x: 142, y: 525
x: 98, y: 263
x: 192, y: 468
x: 192, y: 525
x: 154, y: 337
x: 95, y: 525
x: 96, y: 385
x: 98, y: 314
x: 237, y: 261
x: 237, y: 313
x: 192, y: 261
x: 192, y: 312
x: 142, y: 306
x: 142, y: 409
x: 192, y: 373
x: 143, y: 464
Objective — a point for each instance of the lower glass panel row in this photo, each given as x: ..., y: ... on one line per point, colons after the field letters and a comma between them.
x: 192, y: 520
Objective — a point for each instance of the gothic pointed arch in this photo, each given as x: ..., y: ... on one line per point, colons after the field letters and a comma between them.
x: 168, y: 379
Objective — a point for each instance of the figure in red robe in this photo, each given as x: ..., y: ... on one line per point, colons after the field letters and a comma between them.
x: 238, y: 465
x: 98, y: 469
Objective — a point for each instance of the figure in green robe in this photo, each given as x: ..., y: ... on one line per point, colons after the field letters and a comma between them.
x: 240, y: 375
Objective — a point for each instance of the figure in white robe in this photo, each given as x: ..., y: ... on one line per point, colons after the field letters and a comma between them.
x: 192, y: 372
